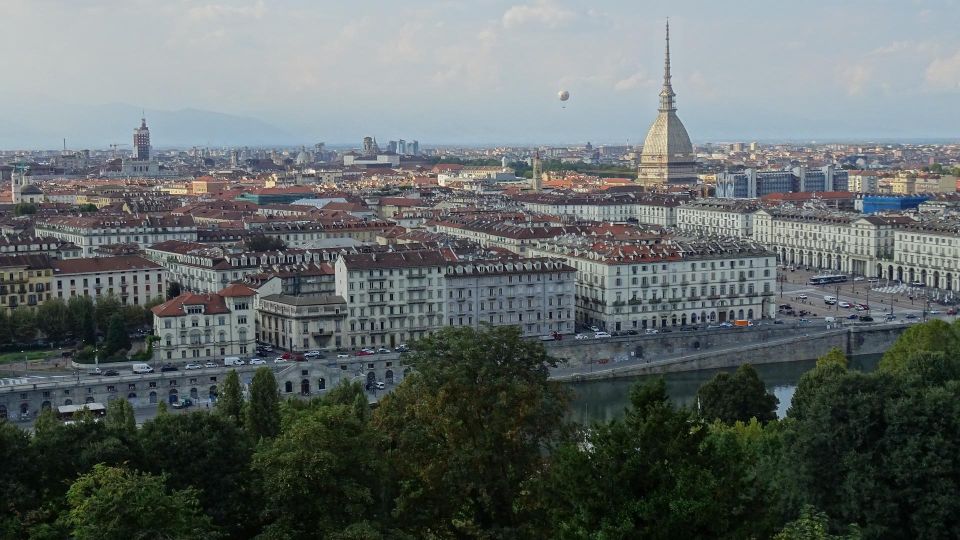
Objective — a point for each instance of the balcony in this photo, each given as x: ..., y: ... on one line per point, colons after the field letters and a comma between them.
x: 322, y: 332
x: 417, y: 288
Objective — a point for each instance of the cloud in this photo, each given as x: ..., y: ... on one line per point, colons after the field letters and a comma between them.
x: 855, y: 78
x: 541, y: 12
x: 209, y: 12
x: 637, y: 80
x: 944, y: 73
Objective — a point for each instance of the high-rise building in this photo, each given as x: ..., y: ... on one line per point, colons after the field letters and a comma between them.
x: 141, y: 142
x: 402, y: 147
x: 667, y: 157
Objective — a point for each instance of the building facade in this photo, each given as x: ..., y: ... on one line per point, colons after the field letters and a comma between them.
x: 131, y: 279
x: 716, y: 217
x: 626, y: 286
x: 200, y: 327
x: 25, y: 280
x: 93, y: 232
x: 301, y: 323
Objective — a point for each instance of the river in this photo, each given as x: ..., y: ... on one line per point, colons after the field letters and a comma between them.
x: 603, y: 400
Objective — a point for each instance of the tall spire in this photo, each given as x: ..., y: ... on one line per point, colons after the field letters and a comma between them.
x: 666, y: 94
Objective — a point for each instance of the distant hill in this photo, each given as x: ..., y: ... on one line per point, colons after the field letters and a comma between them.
x: 45, y: 126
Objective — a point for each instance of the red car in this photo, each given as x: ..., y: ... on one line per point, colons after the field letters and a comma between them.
x: 286, y: 356
x: 365, y: 352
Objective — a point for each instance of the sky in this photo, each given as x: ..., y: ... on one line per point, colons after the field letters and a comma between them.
x: 475, y: 71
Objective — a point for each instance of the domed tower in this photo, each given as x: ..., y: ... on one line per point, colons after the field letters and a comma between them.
x: 667, y: 158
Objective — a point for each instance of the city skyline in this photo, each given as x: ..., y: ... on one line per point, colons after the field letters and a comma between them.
x: 462, y: 74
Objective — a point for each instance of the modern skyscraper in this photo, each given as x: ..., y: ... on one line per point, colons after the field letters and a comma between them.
x: 667, y: 157
x: 141, y: 142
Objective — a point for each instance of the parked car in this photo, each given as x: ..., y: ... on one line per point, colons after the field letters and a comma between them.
x: 594, y: 329
x: 726, y: 325
x: 380, y: 385
x: 383, y: 350
x: 910, y: 316
x: 168, y: 367
x: 581, y: 336
x: 852, y: 316
x: 401, y: 348
x: 845, y: 305
x: 286, y: 356
x: 598, y: 335
x: 952, y: 311
x: 182, y: 404
x: 279, y: 360
x: 192, y: 366
x: 651, y: 331
x: 866, y: 318
x: 312, y: 354
x: 257, y: 361
x: 210, y: 363
x: 873, y: 280
x: 339, y: 355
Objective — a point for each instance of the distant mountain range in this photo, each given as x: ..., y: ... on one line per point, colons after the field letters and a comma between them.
x: 45, y: 126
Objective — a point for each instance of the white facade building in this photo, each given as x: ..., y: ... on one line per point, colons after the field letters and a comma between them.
x: 90, y: 233
x: 131, y: 279
x: 206, y: 326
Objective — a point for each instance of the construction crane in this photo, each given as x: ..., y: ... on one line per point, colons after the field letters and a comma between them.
x: 114, y: 146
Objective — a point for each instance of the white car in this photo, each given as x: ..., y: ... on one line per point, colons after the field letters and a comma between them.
x: 257, y: 361
x: 380, y: 385
x: 343, y: 355
x: 192, y: 366
x: 599, y: 335
x: 858, y: 278
x: 581, y: 336
x: 594, y: 329
x: 367, y: 350
x: 651, y: 331
x: 383, y: 350
x: 278, y: 360
x: 845, y: 305
x: 311, y: 354
x: 210, y: 364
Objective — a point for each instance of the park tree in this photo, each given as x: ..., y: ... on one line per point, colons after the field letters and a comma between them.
x: 87, y: 208
x: 23, y: 324
x: 466, y: 429
x: 17, y: 478
x: 113, y: 503
x: 106, y: 307
x: 262, y: 242
x: 654, y: 474
x: 173, y: 290
x: 6, y: 335
x: 738, y: 397
x: 263, y: 411
x: 230, y: 398
x: 83, y: 319
x: 814, y: 524
x: 117, y: 340
x: 210, y: 453
x: 934, y: 335
x: 321, y: 475
x: 24, y: 209
x: 53, y: 318
x: 120, y: 418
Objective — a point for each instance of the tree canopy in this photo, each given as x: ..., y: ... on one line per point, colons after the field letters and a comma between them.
x: 737, y: 397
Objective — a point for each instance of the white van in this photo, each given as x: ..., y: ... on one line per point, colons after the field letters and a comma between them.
x: 829, y: 300
x: 142, y: 368
x: 233, y: 361
x: 829, y: 320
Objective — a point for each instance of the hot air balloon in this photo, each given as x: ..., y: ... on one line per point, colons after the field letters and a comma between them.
x: 563, y: 95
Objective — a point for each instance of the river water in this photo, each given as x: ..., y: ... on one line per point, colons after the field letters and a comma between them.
x: 603, y: 400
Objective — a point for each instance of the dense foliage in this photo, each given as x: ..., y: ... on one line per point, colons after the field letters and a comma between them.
x: 473, y: 444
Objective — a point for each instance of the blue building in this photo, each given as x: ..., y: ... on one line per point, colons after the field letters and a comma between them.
x: 873, y: 204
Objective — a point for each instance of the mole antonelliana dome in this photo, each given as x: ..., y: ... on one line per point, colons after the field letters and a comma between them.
x: 667, y: 156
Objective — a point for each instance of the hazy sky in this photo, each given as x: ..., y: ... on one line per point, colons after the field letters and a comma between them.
x: 483, y: 71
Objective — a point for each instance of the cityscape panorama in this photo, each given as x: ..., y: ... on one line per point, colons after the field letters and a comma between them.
x: 439, y: 270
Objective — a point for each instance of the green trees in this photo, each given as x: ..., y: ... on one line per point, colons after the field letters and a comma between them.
x: 23, y: 324
x: 117, y: 341
x: 112, y: 503
x: 737, y: 397
x: 263, y: 412
x: 466, y: 430
x: 83, y: 319
x: 934, y: 335
x: 321, y: 476
x: 230, y: 398
x: 53, y: 318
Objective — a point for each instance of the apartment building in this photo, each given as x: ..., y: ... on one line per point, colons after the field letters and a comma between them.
x: 644, y: 208
x: 24, y: 280
x: 633, y: 286
x: 13, y: 244
x: 927, y: 252
x: 207, y: 326
x: 313, y: 235
x: 92, y: 232
x: 717, y: 217
x: 494, y: 233
x: 839, y: 241
x: 395, y: 297
x: 302, y: 322
x: 131, y: 279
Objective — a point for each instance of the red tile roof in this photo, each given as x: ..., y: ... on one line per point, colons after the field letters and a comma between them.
x: 123, y: 263
x: 213, y: 304
x: 236, y: 289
